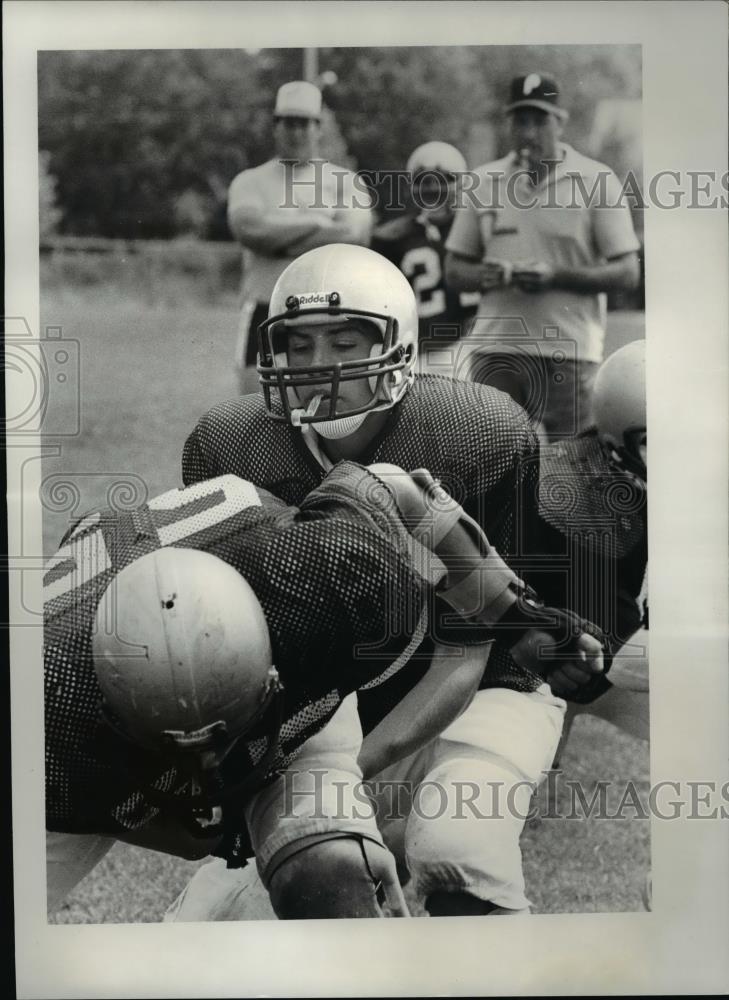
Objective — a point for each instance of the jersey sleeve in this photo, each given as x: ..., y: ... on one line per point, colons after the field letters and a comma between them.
x: 613, y: 224
x: 219, y: 441
x: 353, y: 489
x: 342, y: 603
x: 465, y: 238
x: 195, y: 466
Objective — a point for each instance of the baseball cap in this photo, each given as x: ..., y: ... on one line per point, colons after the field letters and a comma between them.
x: 298, y: 99
x: 534, y: 90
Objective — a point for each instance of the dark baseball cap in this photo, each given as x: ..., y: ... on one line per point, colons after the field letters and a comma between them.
x: 534, y: 90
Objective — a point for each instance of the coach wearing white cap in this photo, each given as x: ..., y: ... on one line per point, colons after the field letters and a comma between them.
x: 543, y: 236
x: 288, y: 205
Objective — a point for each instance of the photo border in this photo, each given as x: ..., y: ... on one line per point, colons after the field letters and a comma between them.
x: 680, y: 947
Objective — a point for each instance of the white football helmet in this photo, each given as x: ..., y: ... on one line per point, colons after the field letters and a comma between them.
x: 324, y: 286
x: 619, y: 406
x: 434, y: 170
x: 182, y: 653
x: 439, y: 157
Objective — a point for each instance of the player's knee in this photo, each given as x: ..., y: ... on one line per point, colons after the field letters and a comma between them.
x: 328, y: 879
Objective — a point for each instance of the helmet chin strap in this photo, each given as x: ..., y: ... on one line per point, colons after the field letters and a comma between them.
x: 332, y: 430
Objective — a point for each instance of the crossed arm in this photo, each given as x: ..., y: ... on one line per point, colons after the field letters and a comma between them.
x: 288, y: 231
x: 270, y: 232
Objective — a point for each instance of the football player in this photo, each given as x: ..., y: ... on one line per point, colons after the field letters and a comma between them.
x: 337, y: 367
x: 415, y: 243
x: 196, y: 646
x: 593, y: 503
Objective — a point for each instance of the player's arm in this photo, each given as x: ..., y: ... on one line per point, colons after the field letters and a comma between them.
x: 456, y: 562
x: 613, y: 236
x: 486, y: 594
x: 351, y: 223
x: 434, y: 702
x: 330, y: 231
x: 465, y: 268
x: 268, y: 231
x: 620, y: 273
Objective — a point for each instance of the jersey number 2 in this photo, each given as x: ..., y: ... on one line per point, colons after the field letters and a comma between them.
x: 421, y: 266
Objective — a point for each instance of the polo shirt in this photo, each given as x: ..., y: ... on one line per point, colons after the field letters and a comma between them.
x: 310, y: 188
x: 506, y: 218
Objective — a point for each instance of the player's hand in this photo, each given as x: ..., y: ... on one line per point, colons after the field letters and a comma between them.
x: 384, y: 871
x: 534, y: 276
x: 495, y: 274
x: 535, y: 652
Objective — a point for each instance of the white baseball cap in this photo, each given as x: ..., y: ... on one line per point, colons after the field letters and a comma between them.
x: 298, y: 99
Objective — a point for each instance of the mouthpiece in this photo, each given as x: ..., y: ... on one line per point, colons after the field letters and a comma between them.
x: 310, y: 410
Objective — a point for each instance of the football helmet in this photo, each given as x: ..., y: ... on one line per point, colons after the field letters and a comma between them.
x: 182, y: 655
x: 439, y: 157
x: 323, y: 287
x: 619, y: 406
x: 434, y: 170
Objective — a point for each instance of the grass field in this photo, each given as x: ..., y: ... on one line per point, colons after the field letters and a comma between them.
x: 144, y: 376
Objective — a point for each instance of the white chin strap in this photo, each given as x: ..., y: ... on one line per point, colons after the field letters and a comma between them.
x: 332, y: 430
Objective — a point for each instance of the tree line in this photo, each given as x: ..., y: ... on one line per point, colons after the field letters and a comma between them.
x: 144, y: 143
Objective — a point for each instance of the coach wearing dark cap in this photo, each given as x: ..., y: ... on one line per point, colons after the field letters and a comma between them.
x: 543, y: 236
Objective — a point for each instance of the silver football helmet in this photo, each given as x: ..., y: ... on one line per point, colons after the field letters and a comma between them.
x: 323, y: 287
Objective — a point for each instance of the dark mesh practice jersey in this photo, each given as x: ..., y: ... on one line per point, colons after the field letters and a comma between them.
x: 594, y: 535
x: 417, y: 248
x: 337, y: 583
x: 473, y: 438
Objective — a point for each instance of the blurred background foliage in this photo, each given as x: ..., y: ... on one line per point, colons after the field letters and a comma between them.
x: 143, y: 144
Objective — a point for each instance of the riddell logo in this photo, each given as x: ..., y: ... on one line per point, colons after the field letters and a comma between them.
x: 311, y: 298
